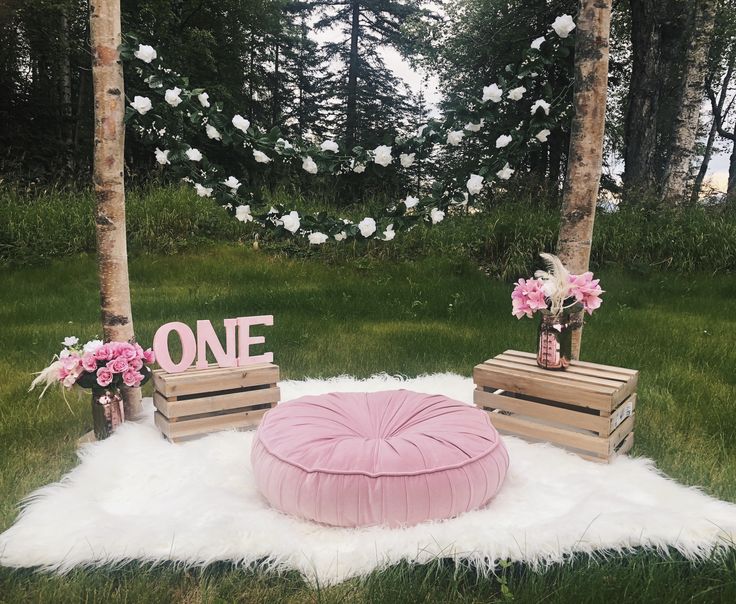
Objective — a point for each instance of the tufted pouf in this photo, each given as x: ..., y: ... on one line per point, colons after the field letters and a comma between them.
x: 393, y: 458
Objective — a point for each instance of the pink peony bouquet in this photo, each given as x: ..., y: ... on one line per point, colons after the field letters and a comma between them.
x: 97, y: 365
x: 555, y: 291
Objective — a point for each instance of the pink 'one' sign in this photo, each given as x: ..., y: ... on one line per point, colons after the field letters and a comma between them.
x: 237, y: 344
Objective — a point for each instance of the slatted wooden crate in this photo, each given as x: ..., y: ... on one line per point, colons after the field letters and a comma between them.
x: 588, y: 409
x: 199, y: 401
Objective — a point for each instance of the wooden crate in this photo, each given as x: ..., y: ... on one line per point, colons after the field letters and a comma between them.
x: 199, y: 401
x: 588, y: 409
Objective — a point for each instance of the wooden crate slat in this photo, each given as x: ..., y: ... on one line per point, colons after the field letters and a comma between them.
x: 523, y: 427
x: 626, y: 445
x: 208, y: 380
x: 586, y: 421
x: 215, y: 403
x: 537, y: 370
x: 553, y: 388
x: 182, y: 429
x: 624, y: 410
x: 573, y: 369
x: 619, y: 434
x: 611, y: 368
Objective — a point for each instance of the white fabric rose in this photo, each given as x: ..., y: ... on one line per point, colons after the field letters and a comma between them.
x: 242, y: 213
x: 142, y: 104
x: 537, y: 43
x: 517, y: 93
x: 317, y: 238
x: 542, y: 135
x: 309, y: 165
x: 455, y: 137
x: 92, y: 346
x: 212, y: 132
x: 145, y: 53
x: 241, y: 123
x: 261, y: 157
x: 367, y: 226
x: 194, y: 154
x: 162, y: 157
x: 232, y: 183
x: 382, y: 155
x: 492, y: 93
x: 291, y: 221
x: 474, y: 184
x: 503, y: 141
x: 436, y: 215
x: 505, y: 172
x: 171, y: 96
x: 563, y: 25
x: 410, y: 201
x: 389, y: 233
x: 204, y: 99
x: 357, y: 168
x: 202, y: 191
x: 407, y: 159
x: 541, y: 104
x: 471, y: 127
x: 341, y: 236
x: 283, y: 143
x: 330, y: 146
x: 70, y: 341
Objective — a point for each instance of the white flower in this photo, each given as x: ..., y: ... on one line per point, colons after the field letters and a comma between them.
x: 204, y: 99
x: 502, y: 141
x: 471, y: 127
x: 505, y: 172
x: 309, y: 165
x: 291, y: 221
x: 517, y: 93
x: 540, y: 103
x: 194, y: 154
x: 421, y: 129
x: 410, y: 201
x: 474, y: 184
x: 232, y: 183
x: 92, y: 346
x: 283, y: 144
x: 70, y: 341
x: 261, y: 157
x: 563, y: 25
x: 367, y: 226
x: 317, y: 238
x: 242, y: 213
x: 492, y: 93
x: 382, y: 155
x: 142, y: 104
x: 341, y: 235
x: 407, y: 159
x: 145, y: 53
x: 162, y: 157
x: 202, y: 191
x: 537, y: 44
x: 212, y: 132
x: 64, y: 354
x: 542, y: 135
x: 455, y: 137
x: 171, y: 96
x: 436, y: 215
x: 357, y: 168
x: 329, y: 146
x: 389, y: 233
x: 241, y: 123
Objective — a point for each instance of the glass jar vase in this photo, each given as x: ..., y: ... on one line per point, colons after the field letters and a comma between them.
x: 107, y: 411
x: 554, y: 341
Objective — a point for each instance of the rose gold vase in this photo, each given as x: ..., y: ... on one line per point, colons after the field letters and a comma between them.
x: 107, y: 411
x: 554, y: 342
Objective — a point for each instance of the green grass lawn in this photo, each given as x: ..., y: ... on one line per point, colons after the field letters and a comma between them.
x: 362, y: 317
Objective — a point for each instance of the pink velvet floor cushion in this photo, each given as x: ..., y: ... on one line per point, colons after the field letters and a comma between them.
x: 392, y: 458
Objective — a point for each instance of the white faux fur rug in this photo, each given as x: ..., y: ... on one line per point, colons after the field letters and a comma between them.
x: 135, y: 496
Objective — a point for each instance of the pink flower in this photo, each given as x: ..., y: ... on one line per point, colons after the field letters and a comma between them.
x: 118, y: 365
x: 89, y: 362
x: 138, y: 350
x: 586, y: 290
x: 136, y: 364
x: 148, y: 356
x: 127, y: 351
x: 132, y: 378
x: 104, y: 376
x: 527, y: 298
x: 104, y: 352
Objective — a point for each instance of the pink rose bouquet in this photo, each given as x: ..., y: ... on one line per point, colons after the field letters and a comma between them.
x: 97, y: 365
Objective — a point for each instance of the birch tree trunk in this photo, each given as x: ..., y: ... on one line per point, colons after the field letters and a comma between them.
x: 112, y: 252
x: 677, y: 169
x: 584, y: 163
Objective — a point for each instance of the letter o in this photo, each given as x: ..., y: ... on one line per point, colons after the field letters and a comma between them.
x: 161, y: 347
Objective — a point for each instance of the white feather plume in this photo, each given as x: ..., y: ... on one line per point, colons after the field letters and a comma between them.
x: 556, y: 281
